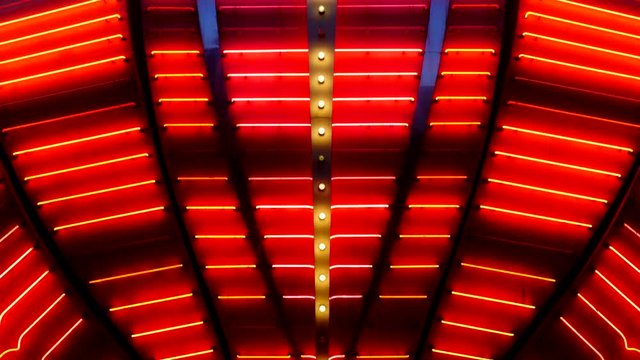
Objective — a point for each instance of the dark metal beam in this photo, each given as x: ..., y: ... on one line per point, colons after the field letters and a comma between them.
x: 546, y: 313
x: 508, y: 35
x: 229, y: 145
x: 137, y: 41
x: 47, y: 243
x: 437, y: 26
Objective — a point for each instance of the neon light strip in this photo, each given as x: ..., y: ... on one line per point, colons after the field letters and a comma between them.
x: 526, y: 16
x: 241, y: 297
x: 624, y: 338
x: 280, y: 178
x: 581, y: 67
x: 413, y: 50
x: 212, y: 207
x: 189, y: 125
x: 204, y: 352
x: 292, y: 266
x: 34, y: 16
x: 16, y: 263
x: 620, y: 256
x: 402, y: 297
x: 267, y: 75
x: 173, y: 100
x: 293, y: 297
x: 507, y: 272
x: 541, y: 217
x: 632, y: 230
x: 438, y: 98
x: 334, y: 267
x: 44, y: 357
x: 158, y: 76
x: 272, y: 125
x: 171, y: 8
x: 369, y: 124
x: 441, y: 177
x: 151, y: 302
x: 382, y: 357
x: 455, y: 354
x: 420, y: 236
x: 87, y: 166
x: 582, y: 338
x: 567, y: 138
x: 137, y: 273
x: 24, y: 293
x: 92, y: 112
x: 226, y: 267
x: 383, y: 98
x: 546, y: 190
x: 335, y: 178
x: 263, y: 356
x: 33, y: 324
x: 414, y: 266
x: 220, y: 237
x: 484, y: 298
x: 265, y: 51
x: 3, y: 238
x: 54, y: 72
x: 361, y: 206
x: 172, y: 328
x: 343, y: 236
x: 268, y: 99
x: 200, y: 178
x: 555, y: 163
x: 585, y: 46
x: 577, y: 89
x: 346, y: 74
x: 288, y: 236
x: 485, y: 73
x: 455, y: 123
x: 42, y: 53
x: 590, y: 7
x: 284, y: 207
x: 465, y: 326
x: 475, y: 6
x: 573, y: 114
x: 107, y: 218
x: 492, y: 51
x: 69, y: 27
x: 338, y: 297
x: 618, y: 291
x: 76, y: 141
x: 175, y: 52
x: 433, y: 206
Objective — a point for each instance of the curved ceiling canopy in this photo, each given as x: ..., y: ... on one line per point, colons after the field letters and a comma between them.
x: 351, y: 179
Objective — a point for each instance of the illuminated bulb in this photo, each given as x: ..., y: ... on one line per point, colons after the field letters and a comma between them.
x: 322, y: 277
x: 322, y: 308
x: 321, y: 9
x: 322, y: 131
x: 322, y: 186
x: 321, y: 79
x: 321, y: 55
x: 322, y: 246
x: 320, y: 157
x: 322, y: 216
x: 321, y: 104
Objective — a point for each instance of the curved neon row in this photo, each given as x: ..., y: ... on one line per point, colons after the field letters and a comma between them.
x: 624, y: 338
x: 24, y: 293
x: 24, y: 333
x: 582, y: 338
x: 61, y: 339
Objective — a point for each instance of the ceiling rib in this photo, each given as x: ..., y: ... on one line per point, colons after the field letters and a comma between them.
x: 49, y: 246
x: 510, y: 21
x: 437, y: 25
x: 137, y: 40
x: 209, y: 30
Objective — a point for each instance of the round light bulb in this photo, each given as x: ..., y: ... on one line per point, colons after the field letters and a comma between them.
x: 322, y: 186
x: 322, y: 277
x: 321, y: 79
x: 321, y: 55
x: 321, y: 157
x: 321, y: 104
x: 322, y: 131
x: 322, y: 308
x: 322, y: 246
x: 322, y: 216
x: 321, y: 9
